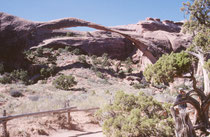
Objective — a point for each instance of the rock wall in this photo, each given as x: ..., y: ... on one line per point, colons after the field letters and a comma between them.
x: 150, y: 38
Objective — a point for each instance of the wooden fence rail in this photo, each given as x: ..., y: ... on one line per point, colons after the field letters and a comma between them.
x: 4, y: 119
x: 7, y: 118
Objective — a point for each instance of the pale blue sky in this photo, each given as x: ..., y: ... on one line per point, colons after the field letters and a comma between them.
x: 104, y: 12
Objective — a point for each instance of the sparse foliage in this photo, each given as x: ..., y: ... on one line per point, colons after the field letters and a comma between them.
x: 64, y: 82
x: 20, y: 75
x: 105, y: 61
x: 99, y: 74
x: 76, y: 51
x: 6, y: 79
x: 47, y: 72
x: 15, y: 76
x: 128, y: 65
x: 70, y: 34
x: 82, y: 59
x: 139, y: 85
x: 198, y: 11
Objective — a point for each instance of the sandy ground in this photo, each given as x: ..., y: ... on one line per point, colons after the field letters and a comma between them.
x: 83, y: 125
x: 74, y: 133
x: 86, y: 128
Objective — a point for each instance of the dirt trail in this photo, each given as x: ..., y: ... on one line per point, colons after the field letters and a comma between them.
x: 84, y: 127
x: 75, y: 133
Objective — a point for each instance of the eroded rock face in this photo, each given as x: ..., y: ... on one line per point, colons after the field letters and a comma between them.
x: 160, y: 36
x: 150, y: 38
x: 14, y: 35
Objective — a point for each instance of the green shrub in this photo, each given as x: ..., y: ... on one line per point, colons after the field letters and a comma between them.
x: 68, y: 48
x: 105, y: 61
x: 95, y: 60
x: 76, y: 51
x: 21, y: 75
x: 139, y: 85
x: 159, y: 86
x: 64, y: 82
x: 70, y: 34
x: 99, y: 74
x: 47, y: 72
x: 16, y: 75
x: 128, y: 65
x: 94, y: 69
x: 52, y: 60
x: 30, y: 55
x: 60, y: 50
x: 93, y: 57
x: 39, y: 52
x: 6, y: 79
x: 82, y: 59
x: 136, y: 116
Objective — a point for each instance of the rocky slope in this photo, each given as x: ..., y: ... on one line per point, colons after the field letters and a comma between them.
x: 97, y: 81
x: 146, y: 40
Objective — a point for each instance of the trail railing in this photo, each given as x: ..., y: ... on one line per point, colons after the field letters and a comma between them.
x: 4, y: 119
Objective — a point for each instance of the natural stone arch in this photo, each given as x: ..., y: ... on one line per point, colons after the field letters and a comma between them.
x: 73, y: 22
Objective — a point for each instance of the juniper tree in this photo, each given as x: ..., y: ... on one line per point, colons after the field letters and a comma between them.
x: 199, y: 25
x: 182, y: 64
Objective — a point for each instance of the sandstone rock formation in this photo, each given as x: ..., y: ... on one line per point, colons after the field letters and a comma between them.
x: 147, y: 39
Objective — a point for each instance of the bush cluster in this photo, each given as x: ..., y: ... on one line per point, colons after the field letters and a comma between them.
x: 105, y: 60
x: 15, y: 76
x: 6, y: 79
x: 32, y: 55
x: 76, y: 51
x: 47, y: 72
x: 128, y: 65
x: 168, y: 67
x: 136, y: 116
x: 64, y: 82
x: 140, y: 85
x: 83, y: 59
x: 70, y: 34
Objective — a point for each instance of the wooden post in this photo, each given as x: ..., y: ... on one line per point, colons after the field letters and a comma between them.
x: 69, y: 119
x: 5, y: 133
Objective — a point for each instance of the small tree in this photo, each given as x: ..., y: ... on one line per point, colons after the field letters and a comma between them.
x: 64, y: 82
x: 199, y: 25
x: 180, y: 65
x: 198, y: 11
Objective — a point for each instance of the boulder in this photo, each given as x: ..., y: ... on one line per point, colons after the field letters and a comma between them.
x: 16, y: 93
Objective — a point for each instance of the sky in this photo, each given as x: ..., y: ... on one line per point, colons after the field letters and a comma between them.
x: 104, y: 12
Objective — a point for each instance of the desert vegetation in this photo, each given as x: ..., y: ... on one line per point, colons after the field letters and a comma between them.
x: 135, y: 100
x: 182, y: 65
x: 136, y: 116
x: 64, y: 82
